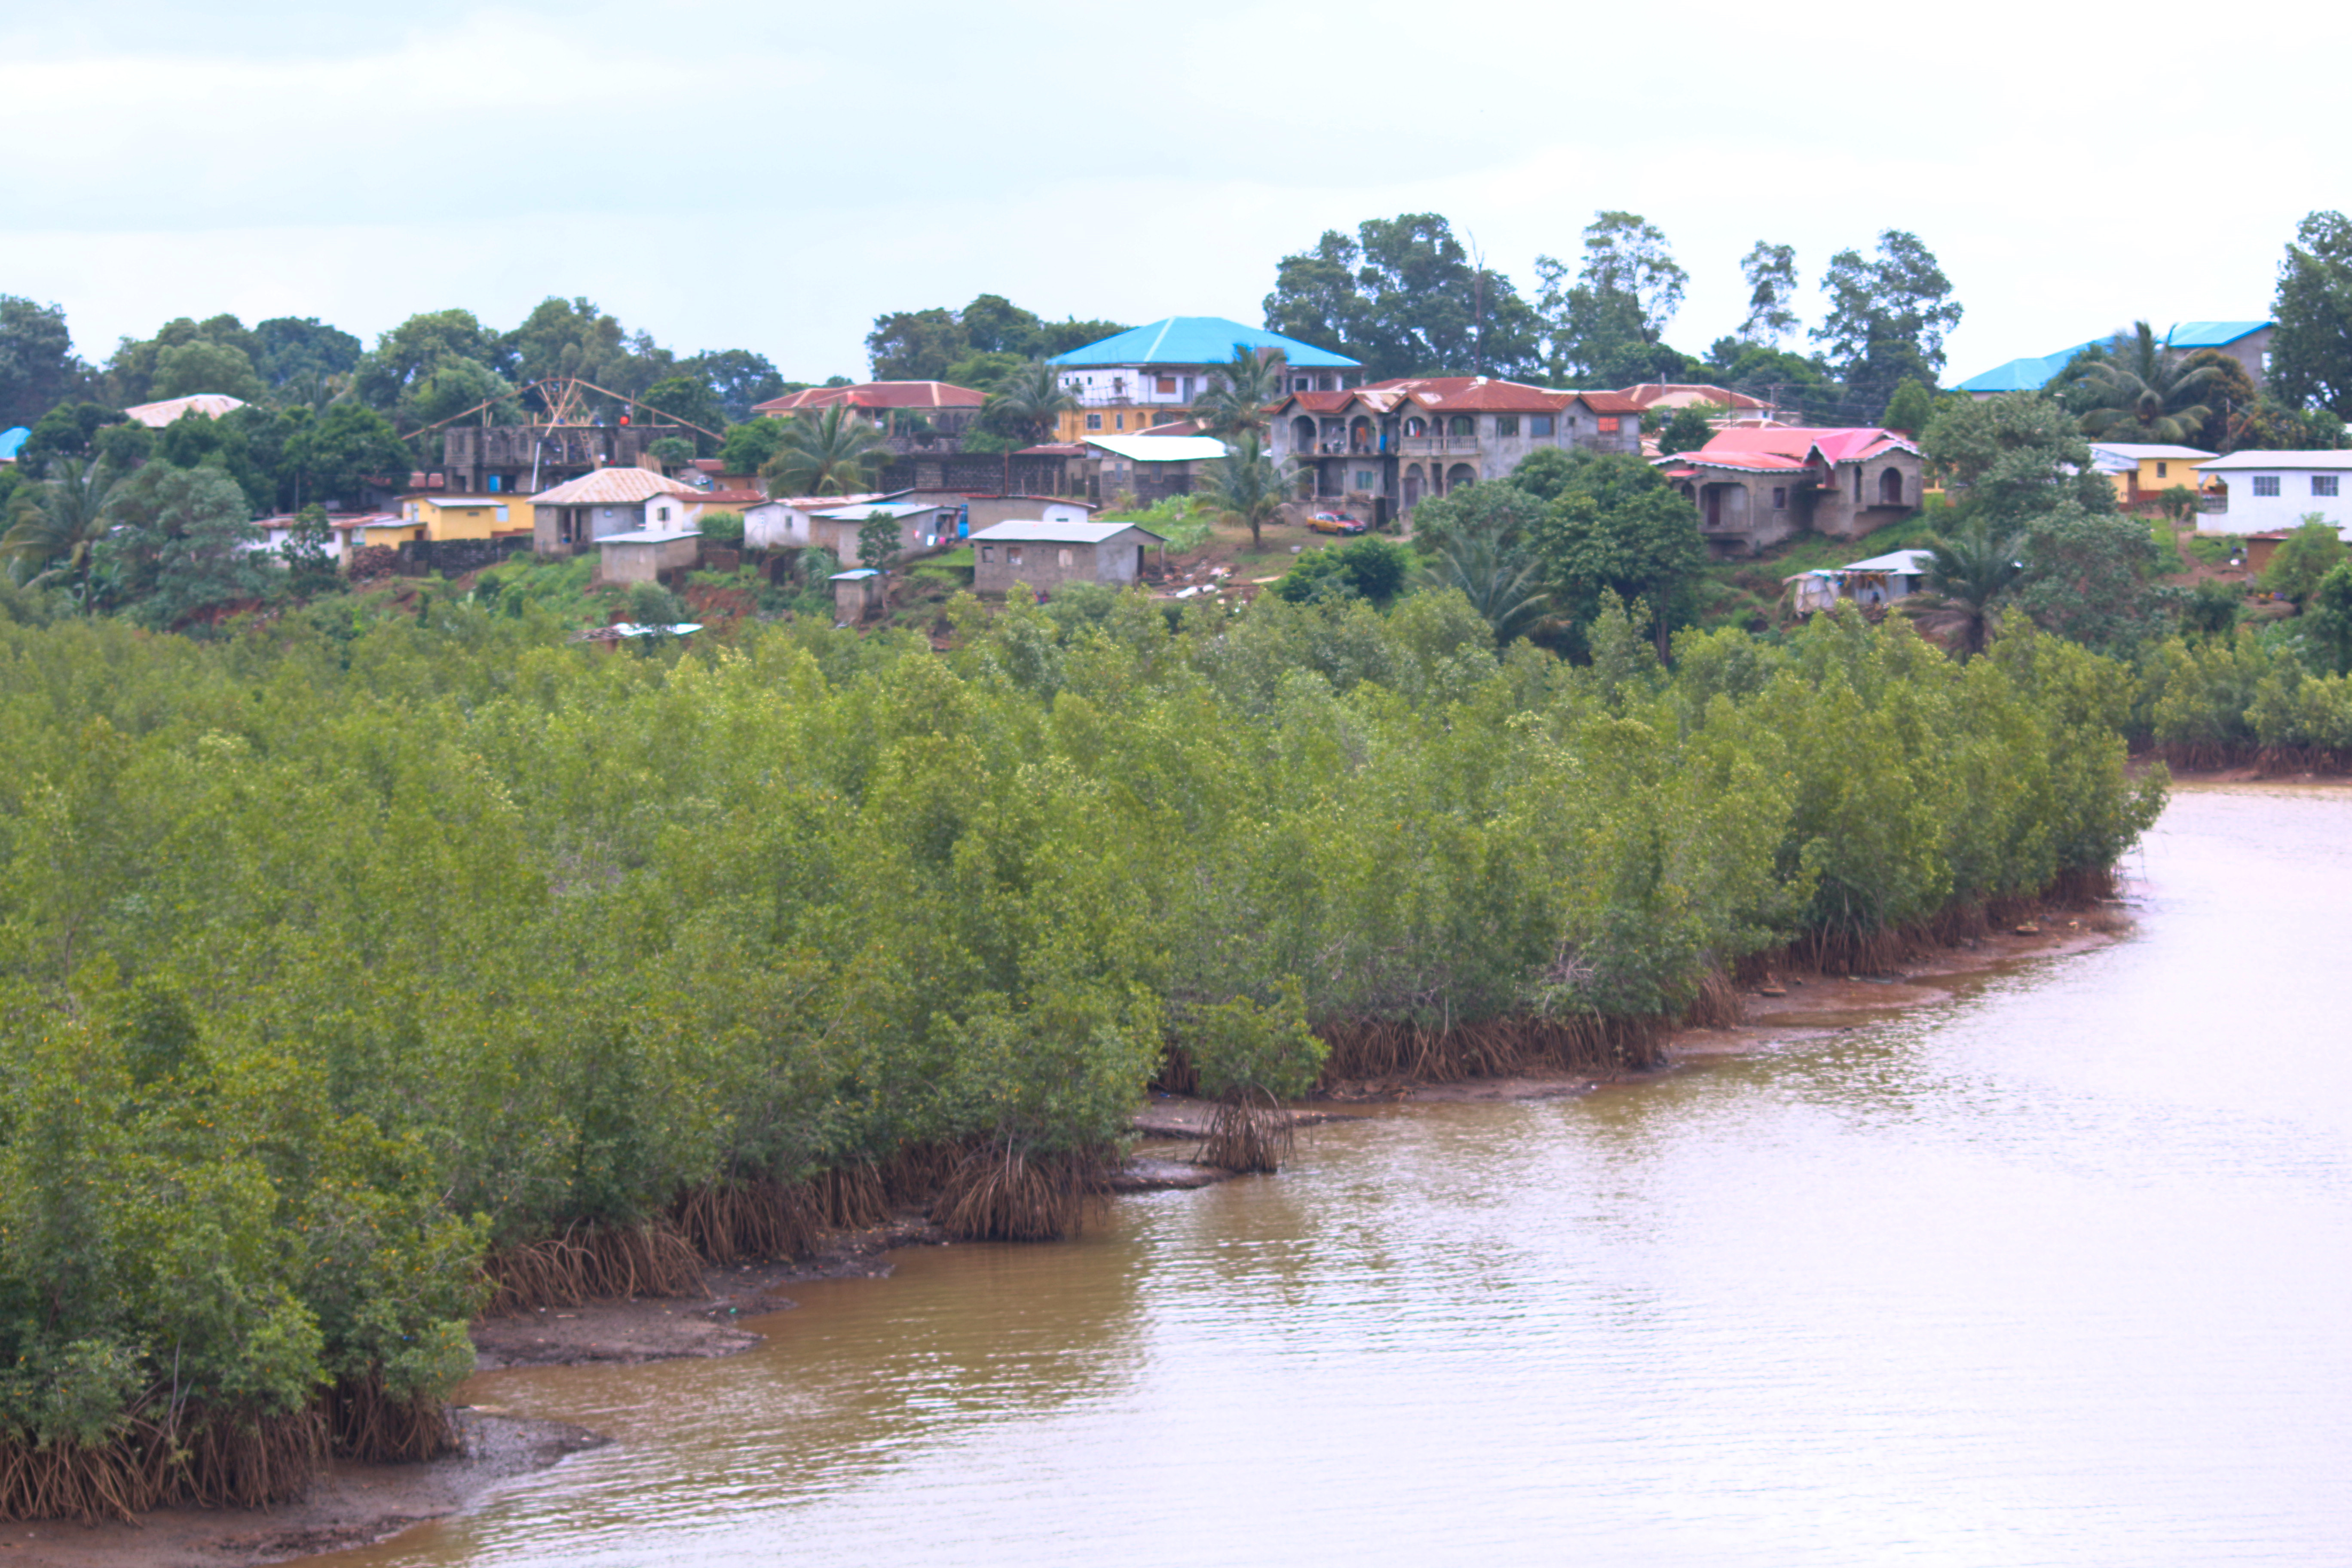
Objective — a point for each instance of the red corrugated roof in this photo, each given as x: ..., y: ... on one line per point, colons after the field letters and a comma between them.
x: 1845, y: 445
x: 732, y: 498
x: 876, y: 394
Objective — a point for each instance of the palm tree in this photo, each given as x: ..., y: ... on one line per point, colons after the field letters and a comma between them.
x: 1029, y: 402
x: 1967, y: 577
x: 61, y: 520
x: 1239, y: 394
x: 1246, y: 485
x: 1503, y: 585
x: 828, y: 453
x: 2147, y: 392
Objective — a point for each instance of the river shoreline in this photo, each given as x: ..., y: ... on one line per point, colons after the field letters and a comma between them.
x: 358, y: 1504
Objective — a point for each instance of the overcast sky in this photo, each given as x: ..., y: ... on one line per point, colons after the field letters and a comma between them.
x: 771, y: 175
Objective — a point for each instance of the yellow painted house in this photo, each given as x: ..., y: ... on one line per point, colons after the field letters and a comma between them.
x: 2142, y: 473
x: 444, y: 517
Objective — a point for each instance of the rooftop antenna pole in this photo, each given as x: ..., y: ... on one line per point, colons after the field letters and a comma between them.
x: 1477, y: 309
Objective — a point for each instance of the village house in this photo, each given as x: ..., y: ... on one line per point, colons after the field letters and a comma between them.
x: 922, y: 525
x: 342, y: 529
x: 1150, y: 468
x: 610, y: 501
x: 1134, y: 380
x: 2141, y: 473
x: 2264, y: 492
x: 508, y: 460
x: 1046, y: 555
x: 468, y: 517
x: 1399, y: 441
x: 1755, y: 487
x: 1881, y: 580
x: 643, y: 555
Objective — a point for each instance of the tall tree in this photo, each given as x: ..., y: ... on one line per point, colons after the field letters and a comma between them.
x: 2311, y: 351
x: 2145, y: 391
x: 413, y: 350
x: 1246, y: 486
x: 830, y: 453
x: 303, y: 348
x: 1620, y: 528
x: 737, y: 377
x: 2021, y: 469
x: 37, y: 367
x: 1888, y: 317
x: 691, y: 399
x: 1027, y: 403
x: 916, y: 345
x: 1772, y: 273
x: 1627, y: 288
x: 1237, y: 394
x: 55, y: 526
x: 1970, y: 572
x: 186, y: 544
x: 1406, y: 299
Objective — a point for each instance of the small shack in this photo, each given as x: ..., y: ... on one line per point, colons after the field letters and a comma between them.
x: 1044, y: 555
x: 1883, y: 579
x: 643, y: 554
x: 857, y: 593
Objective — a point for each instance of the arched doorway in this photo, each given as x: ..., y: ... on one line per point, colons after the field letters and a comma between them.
x: 1890, y: 488
x: 1411, y: 486
x: 1457, y: 476
x: 1359, y: 435
x: 1416, y: 426
x: 1302, y: 434
x: 1461, y: 428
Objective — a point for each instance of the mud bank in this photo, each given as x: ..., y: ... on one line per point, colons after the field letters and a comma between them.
x: 352, y: 1505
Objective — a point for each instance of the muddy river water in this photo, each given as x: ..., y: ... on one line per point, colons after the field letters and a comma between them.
x: 2060, y: 1272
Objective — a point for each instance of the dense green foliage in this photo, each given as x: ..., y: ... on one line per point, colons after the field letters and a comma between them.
x: 333, y: 950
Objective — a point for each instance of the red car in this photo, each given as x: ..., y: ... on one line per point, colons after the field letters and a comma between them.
x: 1335, y: 523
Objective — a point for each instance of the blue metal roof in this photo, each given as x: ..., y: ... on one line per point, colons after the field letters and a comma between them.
x: 1198, y: 340
x: 2212, y: 334
x: 2025, y: 374
x: 10, y: 440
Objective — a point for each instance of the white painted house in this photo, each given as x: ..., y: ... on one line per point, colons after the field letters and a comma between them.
x: 2273, y: 491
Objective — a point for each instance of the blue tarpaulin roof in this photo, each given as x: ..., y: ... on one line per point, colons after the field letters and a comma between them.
x: 1198, y: 340
x: 2210, y: 334
x: 10, y: 440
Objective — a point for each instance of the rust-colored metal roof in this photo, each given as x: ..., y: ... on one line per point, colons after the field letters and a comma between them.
x: 1054, y: 449
x: 730, y: 497
x: 876, y: 394
x: 614, y: 486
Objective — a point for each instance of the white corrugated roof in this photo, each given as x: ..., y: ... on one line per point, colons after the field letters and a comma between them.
x: 1160, y: 449
x: 649, y: 536
x: 1906, y: 563
x: 893, y: 509
x: 2332, y: 461
x: 211, y: 405
x: 614, y: 486
x: 1026, y: 532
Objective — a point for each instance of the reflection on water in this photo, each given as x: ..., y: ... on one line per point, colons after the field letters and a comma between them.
x: 2057, y: 1273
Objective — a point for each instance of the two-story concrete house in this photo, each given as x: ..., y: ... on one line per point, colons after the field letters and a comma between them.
x: 1755, y: 487
x: 1148, y: 375
x: 1400, y: 441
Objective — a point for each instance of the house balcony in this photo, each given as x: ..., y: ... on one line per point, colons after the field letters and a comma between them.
x: 1438, y: 446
